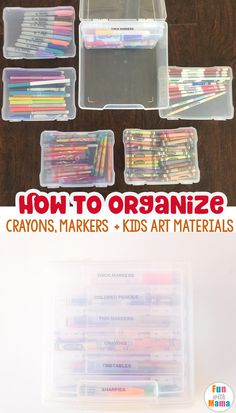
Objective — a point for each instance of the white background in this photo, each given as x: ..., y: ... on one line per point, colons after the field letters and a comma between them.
x: 23, y: 260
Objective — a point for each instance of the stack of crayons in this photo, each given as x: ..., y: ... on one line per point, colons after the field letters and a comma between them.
x: 120, y: 39
x: 161, y: 156
x: 77, y: 159
x: 192, y: 87
x: 38, y: 94
x: 44, y: 33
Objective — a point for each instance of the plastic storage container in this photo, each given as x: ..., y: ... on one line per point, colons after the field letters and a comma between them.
x: 38, y: 94
x: 118, y: 335
x: 39, y: 33
x: 123, y: 55
x: 77, y: 159
x: 161, y: 157
x: 200, y: 93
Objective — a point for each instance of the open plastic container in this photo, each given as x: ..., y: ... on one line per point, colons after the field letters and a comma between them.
x: 118, y: 335
x: 35, y: 95
x: 77, y: 159
x: 123, y: 54
x: 161, y: 157
x: 206, y: 97
x: 34, y: 39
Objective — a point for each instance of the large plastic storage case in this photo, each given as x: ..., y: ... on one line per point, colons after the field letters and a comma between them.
x: 119, y: 335
x: 123, y: 54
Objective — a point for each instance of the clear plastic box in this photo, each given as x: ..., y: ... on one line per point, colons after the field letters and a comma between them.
x: 161, y: 157
x: 200, y: 93
x: 38, y: 94
x: 30, y: 34
x: 77, y: 159
x: 118, y: 335
x: 123, y: 55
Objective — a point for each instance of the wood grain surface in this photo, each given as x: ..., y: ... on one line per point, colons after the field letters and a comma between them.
x: 201, y: 33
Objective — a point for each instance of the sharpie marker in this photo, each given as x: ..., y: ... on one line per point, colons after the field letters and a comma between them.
x: 19, y: 50
x: 60, y: 11
x: 51, y: 49
x: 28, y: 36
x: 45, y: 31
x: 41, y: 44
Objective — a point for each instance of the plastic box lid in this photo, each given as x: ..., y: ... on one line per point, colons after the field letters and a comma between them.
x: 123, y: 9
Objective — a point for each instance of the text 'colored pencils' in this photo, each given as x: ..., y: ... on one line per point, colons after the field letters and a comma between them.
x: 77, y: 159
x: 161, y: 156
x: 44, y: 33
x: 190, y: 88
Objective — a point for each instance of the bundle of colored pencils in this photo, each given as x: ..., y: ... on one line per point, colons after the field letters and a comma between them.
x: 192, y: 87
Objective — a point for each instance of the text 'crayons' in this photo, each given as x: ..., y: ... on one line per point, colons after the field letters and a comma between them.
x: 77, y: 159
x: 43, y: 33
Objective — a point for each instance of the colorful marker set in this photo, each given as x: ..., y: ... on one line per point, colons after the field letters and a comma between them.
x: 199, y: 93
x: 106, y: 338
x: 80, y: 159
x: 39, y: 94
x: 40, y: 33
x: 95, y: 37
x: 158, y: 157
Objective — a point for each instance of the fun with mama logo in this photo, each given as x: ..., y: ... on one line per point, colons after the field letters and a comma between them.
x: 219, y: 397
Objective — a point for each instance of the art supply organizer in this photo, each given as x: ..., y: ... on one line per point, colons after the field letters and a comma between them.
x: 28, y: 38
x: 161, y: 157
x: 38, y: 94
x: 118, y: 335
x: 123, y: 49
x: 200, y: 93
x: 77, y: 159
